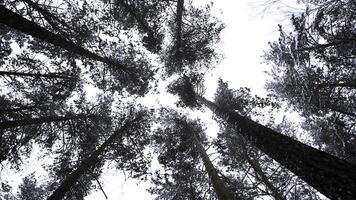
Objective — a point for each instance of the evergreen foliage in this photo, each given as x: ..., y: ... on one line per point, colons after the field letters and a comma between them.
x: 72, y: 74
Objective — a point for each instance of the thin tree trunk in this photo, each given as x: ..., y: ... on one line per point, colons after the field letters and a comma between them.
x: 87, y: 163
x: 41, y: 120
x: 333, y: 177
x: 218, y: 185
x: 18, y: 109
x: 179, y: 22
x: 35, y: 75
x: 23, y: 25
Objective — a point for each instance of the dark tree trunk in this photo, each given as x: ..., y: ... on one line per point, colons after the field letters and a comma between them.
x: 87, y: 163
x: 52, y: 75
x: 333, y: 177
x: 41, y: 120
x: 23, y: 25
x: 179, y: 22
x: 218, y: 185
x: 19, y: 109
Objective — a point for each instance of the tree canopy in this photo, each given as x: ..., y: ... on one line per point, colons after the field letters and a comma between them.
x: 76, y: 79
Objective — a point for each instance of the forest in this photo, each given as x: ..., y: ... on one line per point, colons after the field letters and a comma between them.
x: 76, y: 77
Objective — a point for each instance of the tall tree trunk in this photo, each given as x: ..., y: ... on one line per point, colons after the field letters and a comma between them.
x: 87, y: 163
x: 34, y: 75
x: 23, y: 25
x: 179, y: 22
x: 218, y: 185
x: 41, y: 120
x: 333, y: 177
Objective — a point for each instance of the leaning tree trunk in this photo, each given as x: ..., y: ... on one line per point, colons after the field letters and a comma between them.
x: 179, y: 27
x: 21, y: 108
x: 34, y: 75
x: 179, y: 22
x: 87, y: 163
x: 333, y: 177
x: 34, y: 121
x: 23, y: 25
x: 41, y: 120
x: 218, y: 185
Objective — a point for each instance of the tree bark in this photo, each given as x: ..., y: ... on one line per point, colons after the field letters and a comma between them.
x: 41, y: 120
x: 333, y: 177
x: 86, y: 163
x: 180, y: 8
x: 25, y: 26
x: 35, y: 75
x: 218, y: 185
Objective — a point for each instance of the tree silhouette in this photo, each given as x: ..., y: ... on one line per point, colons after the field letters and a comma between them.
x: 313, y: 70
x: 321, y: 170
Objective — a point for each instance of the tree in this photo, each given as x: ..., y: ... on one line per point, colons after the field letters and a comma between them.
x: 321, y: 170
x: 313, y: 70
x: 30, y: 190
x: 135, y: 83
x: 180, y: 144
x: 138, y: 120
x: 193, y: 32
x: 47, y: 124
x: 51, y: 52
x: 259, y: 174
x: 12, y: 141
x: 6, y: 191
x: 147, y: 16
